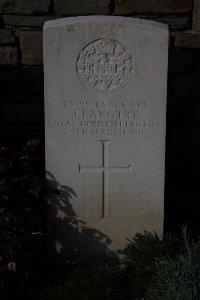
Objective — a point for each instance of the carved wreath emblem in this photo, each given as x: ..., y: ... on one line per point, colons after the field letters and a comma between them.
x: 105, y: 66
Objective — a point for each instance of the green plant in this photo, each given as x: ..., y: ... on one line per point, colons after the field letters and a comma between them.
x: 88, y: 283
x: 157, y: 268
x: 22, y: 215
x: 178, y: 278
x: 140, y: 259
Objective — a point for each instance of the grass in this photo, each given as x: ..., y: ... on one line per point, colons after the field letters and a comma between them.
x: 155, y: 269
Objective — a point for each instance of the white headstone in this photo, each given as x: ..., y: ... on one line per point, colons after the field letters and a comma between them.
x: 105, y: 113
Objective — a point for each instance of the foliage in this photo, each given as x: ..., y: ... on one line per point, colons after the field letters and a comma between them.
x: 155, y: 269
x: 162, y: 268
x: 22, y: 214
x: 140, y: 255
x: 89, y: 283
x: 178, y: 278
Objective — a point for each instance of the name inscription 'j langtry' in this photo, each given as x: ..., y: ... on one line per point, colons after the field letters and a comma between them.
x: 120, y: 118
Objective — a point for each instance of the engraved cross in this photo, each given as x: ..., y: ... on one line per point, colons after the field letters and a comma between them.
x: 105, y: 169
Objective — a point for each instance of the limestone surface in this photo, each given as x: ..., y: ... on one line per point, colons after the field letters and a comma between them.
x: 105, y: 111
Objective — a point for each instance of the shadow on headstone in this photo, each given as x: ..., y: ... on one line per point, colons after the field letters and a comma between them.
x: 75, y: 242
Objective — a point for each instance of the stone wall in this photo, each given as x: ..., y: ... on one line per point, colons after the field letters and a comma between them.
x: 21, y: 81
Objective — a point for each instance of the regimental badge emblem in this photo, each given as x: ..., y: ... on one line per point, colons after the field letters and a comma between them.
x: 105, y: 66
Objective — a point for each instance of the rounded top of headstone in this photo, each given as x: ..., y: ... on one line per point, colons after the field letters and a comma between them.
x: 103, y: 19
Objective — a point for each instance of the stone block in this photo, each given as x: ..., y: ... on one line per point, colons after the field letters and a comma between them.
x: 31, y: 47
x: 25, y: 7
x: 196, y: 4
x: 6, y: 36
x: 196, y: 16
x: 127, y: 7
x: 24, y: 82
x: 25, y: 21
x: 196, y: 21
x: 186, y: 39
x: 79, y: 7
x: 174, y: 22
x: 8, y: 55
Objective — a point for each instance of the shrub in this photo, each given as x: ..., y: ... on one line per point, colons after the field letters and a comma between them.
x: 22, y: 216
x: 178, y: 278
x: 88, y: 283
x: 160, y: 269
x: 140, y: 258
